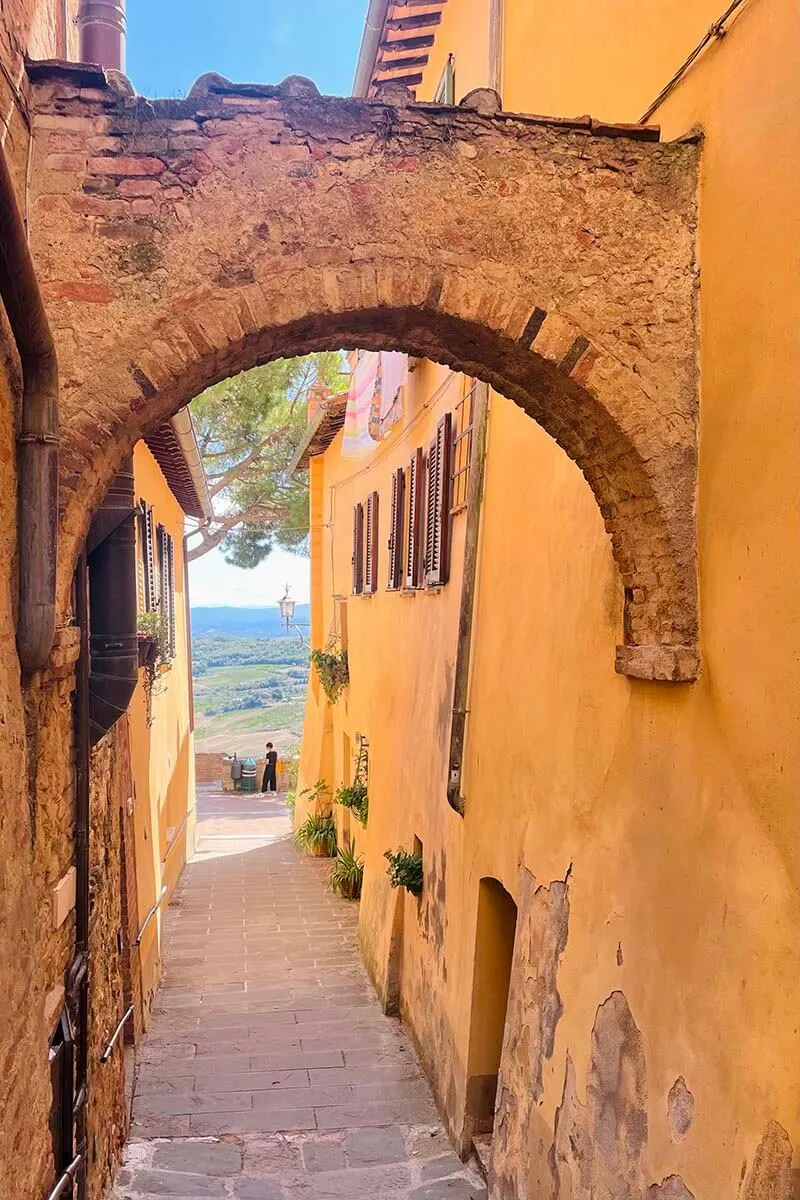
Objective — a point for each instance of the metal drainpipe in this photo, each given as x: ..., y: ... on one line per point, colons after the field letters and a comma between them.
x: 102, y: 33
x: 37, y: 462
x: 468, y: 588
x: 78, y: 976
x: 373, y: 31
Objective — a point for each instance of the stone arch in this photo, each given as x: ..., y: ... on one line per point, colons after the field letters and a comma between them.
x: 188, y: 240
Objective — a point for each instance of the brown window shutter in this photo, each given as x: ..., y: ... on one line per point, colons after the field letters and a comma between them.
x: 371, y: 556
x: 416, y: 484
x: 438, y: 511
x: 396, y: 529
x: 149, y: 551
x: 164, y: 579
x: 358, y: 549
x: 172, y: 631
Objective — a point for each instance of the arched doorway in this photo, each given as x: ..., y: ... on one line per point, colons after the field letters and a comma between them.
x: 494, y: 952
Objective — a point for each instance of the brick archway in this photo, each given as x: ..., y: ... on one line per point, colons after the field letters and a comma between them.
x: 182, y: 241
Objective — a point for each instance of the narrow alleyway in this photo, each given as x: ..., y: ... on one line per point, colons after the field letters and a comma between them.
x: 269, y: 1071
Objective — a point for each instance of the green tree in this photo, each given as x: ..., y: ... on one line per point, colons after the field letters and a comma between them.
x: 248, y: 429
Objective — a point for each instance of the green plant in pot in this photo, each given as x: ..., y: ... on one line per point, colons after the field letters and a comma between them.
x: 318, y: 795
x: 355, y: 798
x: 404, y: 870
x: 347, y: 874
x: 152, y: 632
x: 331, y: 667
x: 317, y: 835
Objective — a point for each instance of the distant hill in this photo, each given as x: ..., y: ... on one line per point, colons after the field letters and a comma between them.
x: 247, y: 622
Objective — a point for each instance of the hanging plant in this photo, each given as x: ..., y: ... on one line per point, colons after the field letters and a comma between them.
x: 153, y: 640
x: 404, y: 870
x: 331, y: 667
x: 347, y: 874
x: 317, y: 836
x: 355, y: 798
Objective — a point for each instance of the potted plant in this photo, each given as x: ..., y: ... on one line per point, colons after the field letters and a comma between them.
x: 404, y: 870
x: 347, y: 874
x: 332, y: 669
x: 355, y: 798
x: 152, y: 635
x: 317, y: 835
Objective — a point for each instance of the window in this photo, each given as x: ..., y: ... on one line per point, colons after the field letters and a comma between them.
x: 371, y: 545
x: 396, y: 529
x: 462, y: 447
x: 156, y: 568
x: 149, y: 582
x: 166, y: 562
x: 437, y: 546
x: 358, y: 549
x: 446, y: 91
x: 416, y: 484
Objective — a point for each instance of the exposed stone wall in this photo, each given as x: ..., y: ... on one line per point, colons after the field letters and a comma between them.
x: 181, y: 241
x: 107, y: 1120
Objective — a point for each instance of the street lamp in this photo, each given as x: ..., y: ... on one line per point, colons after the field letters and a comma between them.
x: 287, y: 606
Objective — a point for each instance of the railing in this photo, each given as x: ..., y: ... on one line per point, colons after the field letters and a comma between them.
x: 67, y: 1179
x: 150, y: 915
x: 176, y: 837
x: 109, y: 1050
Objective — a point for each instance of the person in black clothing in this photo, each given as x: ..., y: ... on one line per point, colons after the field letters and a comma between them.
x: 270, y: 782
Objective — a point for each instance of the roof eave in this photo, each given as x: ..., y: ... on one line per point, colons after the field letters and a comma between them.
x: 370, y: 41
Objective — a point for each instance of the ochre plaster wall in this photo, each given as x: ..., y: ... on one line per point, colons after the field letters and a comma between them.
x: 162, y: 750
x: 649, y: 833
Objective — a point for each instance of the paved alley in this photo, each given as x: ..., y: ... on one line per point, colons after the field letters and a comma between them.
x: 269, y: 1071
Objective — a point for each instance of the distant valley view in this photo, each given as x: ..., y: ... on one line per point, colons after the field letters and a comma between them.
x: 250, y: 677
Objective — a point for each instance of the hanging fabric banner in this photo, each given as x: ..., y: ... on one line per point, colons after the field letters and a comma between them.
x: 393, y: 380
x: 357, y: 440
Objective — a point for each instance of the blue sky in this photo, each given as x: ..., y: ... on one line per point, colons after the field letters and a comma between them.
x: 170, y: 43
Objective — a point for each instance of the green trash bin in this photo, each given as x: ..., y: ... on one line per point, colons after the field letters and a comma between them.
x: 249, y: 780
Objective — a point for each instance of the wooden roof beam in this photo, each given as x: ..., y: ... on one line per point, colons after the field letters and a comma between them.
x: 412, y: 43
x: 393, y: 64
x: 422, y: 21
x: 410, y: 81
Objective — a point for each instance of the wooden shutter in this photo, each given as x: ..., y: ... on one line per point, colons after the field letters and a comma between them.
x: 416, y: 484
x: 172, y: 632
x: 396, y: 529
x: 437, y: 558
x: 371, y: 556
x: 358, y: 549
x: 149, y: 559
x: 167, y: 598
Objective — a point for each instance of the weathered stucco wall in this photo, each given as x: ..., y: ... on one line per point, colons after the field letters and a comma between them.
x: 671, y: 1055
x: 162, y: 750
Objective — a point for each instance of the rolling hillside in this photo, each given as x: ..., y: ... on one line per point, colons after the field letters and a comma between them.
x: 250, y: 679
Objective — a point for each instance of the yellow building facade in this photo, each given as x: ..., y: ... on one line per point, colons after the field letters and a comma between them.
x: 160, y: 717
x: 611, y: 926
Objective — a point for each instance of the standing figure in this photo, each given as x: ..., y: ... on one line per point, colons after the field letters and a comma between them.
x: 270, y: 782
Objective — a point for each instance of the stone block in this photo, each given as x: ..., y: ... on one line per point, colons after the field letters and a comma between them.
x: 63, y: 901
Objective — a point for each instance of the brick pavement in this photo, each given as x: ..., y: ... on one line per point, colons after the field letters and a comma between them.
x: 269, y: 1071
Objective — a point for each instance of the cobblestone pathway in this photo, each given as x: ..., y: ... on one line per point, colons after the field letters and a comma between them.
x: 270, y: 1072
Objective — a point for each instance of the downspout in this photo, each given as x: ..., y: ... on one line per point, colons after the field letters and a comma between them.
x: 78, y: 978
x: 370, y: 42
x: 496, y: 44
x: 458, y: 724
x: 102, y: 33
x: 114, y: 648
x: 37, y: 461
